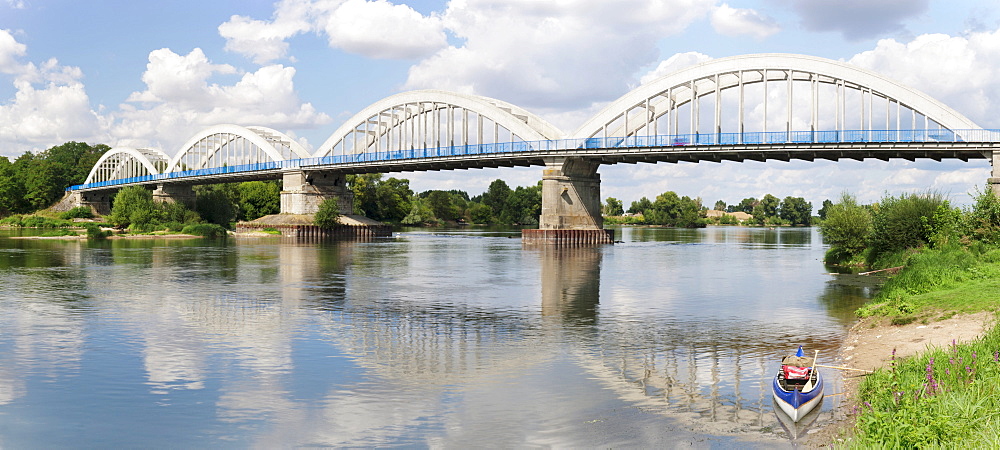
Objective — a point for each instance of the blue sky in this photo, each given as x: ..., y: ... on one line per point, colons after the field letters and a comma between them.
x: 133, y: 74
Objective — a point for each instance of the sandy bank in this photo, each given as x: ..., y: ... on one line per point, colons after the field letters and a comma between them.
x: 869, y: 345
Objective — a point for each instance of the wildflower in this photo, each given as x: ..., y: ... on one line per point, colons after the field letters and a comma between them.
x: 931, y: 382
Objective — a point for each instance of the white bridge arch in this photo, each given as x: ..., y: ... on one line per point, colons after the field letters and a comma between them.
x: 126, y: 162
x: 654, y: 108
x: 233, y: 145
x: 427, y: 119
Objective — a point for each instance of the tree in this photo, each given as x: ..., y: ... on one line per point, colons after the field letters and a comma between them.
x: 133, y: 208
x: 640, y: 206
x: 524, y: 206
x: 795, y: 211
x: 258, y: 199
x: 766, y: 208
x: 496, y: 196
x: 363, y: 188
x: 11, y: 190
x: 983, y: 221
x: 328, y: 214
x: 720, y: 205
x: 746, y: 205
x: 480, y: 213
x: 613, y: 207
x: 392, y: 199
x: 846, y: 229
x: 671, y: 210
x: 420, y: 213
x: 217, y: 203
x: 826, y: 207
x: 442, y: 205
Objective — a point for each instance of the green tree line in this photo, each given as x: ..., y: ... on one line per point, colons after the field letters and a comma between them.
x: 670, y: 209
x: 35, y: 181
x: 392, y: 200
x: 878, y: 234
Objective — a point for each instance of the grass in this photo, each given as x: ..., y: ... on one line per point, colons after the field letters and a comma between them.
x: 944, y: 397
x: 954, y: 278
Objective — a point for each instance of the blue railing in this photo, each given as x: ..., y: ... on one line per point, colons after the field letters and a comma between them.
x: 658, y: 141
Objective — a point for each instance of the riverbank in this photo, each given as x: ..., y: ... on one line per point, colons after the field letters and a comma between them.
x: 871, y: 343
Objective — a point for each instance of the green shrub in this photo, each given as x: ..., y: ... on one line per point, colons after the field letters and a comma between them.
x: 205, y: 229
x: 846, y: 228
x: 983, y: 221
x: 328, y: 215
x: 59, y: 232
x: 903, y: 222
x: 12, y: 221
x: 173, y: 226
x: 80, y: 212
x: 134, y: 209
x: 95, y: 232
x: 43, y: 222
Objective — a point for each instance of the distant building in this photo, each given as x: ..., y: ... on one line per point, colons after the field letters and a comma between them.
x: 738, y: 215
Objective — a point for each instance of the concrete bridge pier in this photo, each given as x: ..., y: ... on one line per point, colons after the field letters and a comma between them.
x: 302, y: 192
x: 571, y: 205
x: 175, y: 193
x: 98, y: 201
x: 994, y: 179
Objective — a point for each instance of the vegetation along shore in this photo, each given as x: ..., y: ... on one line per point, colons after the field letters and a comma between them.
x: 928, y: 390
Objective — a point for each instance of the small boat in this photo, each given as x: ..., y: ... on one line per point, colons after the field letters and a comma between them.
x: 798, y: 385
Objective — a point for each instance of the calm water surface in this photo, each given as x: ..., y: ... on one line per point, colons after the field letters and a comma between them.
x: 440, y: 339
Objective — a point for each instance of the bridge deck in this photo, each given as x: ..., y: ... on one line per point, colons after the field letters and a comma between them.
x: 780, y: 146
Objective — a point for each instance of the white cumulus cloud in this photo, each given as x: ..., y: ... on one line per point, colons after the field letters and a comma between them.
x: 734, y: 22
x: 50, y: 104
x: 963, y: 72
x: 380, y: 29
x: 265, y: 41
x: 181, y: 99
x: 10, y: 50
x: 673, y: 64
x: 373, y: 29
x: 556, y: 55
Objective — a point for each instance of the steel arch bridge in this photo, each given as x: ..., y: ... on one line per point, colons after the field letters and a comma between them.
x: 752, y: 107
x: 759, y: 107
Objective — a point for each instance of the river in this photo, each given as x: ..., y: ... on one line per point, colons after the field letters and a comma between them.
x: 455, y: 338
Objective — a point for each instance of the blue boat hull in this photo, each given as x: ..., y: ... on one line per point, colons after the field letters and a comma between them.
x: 796, y: 403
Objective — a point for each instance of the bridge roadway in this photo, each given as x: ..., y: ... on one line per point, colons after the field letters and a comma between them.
x: 858, y: 145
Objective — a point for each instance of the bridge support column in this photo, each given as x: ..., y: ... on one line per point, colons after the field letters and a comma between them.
x: 175, y: 193
x: 571, y: 205
x: 994, y: 179
x: 98, y: 201
x: 302, y: 192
